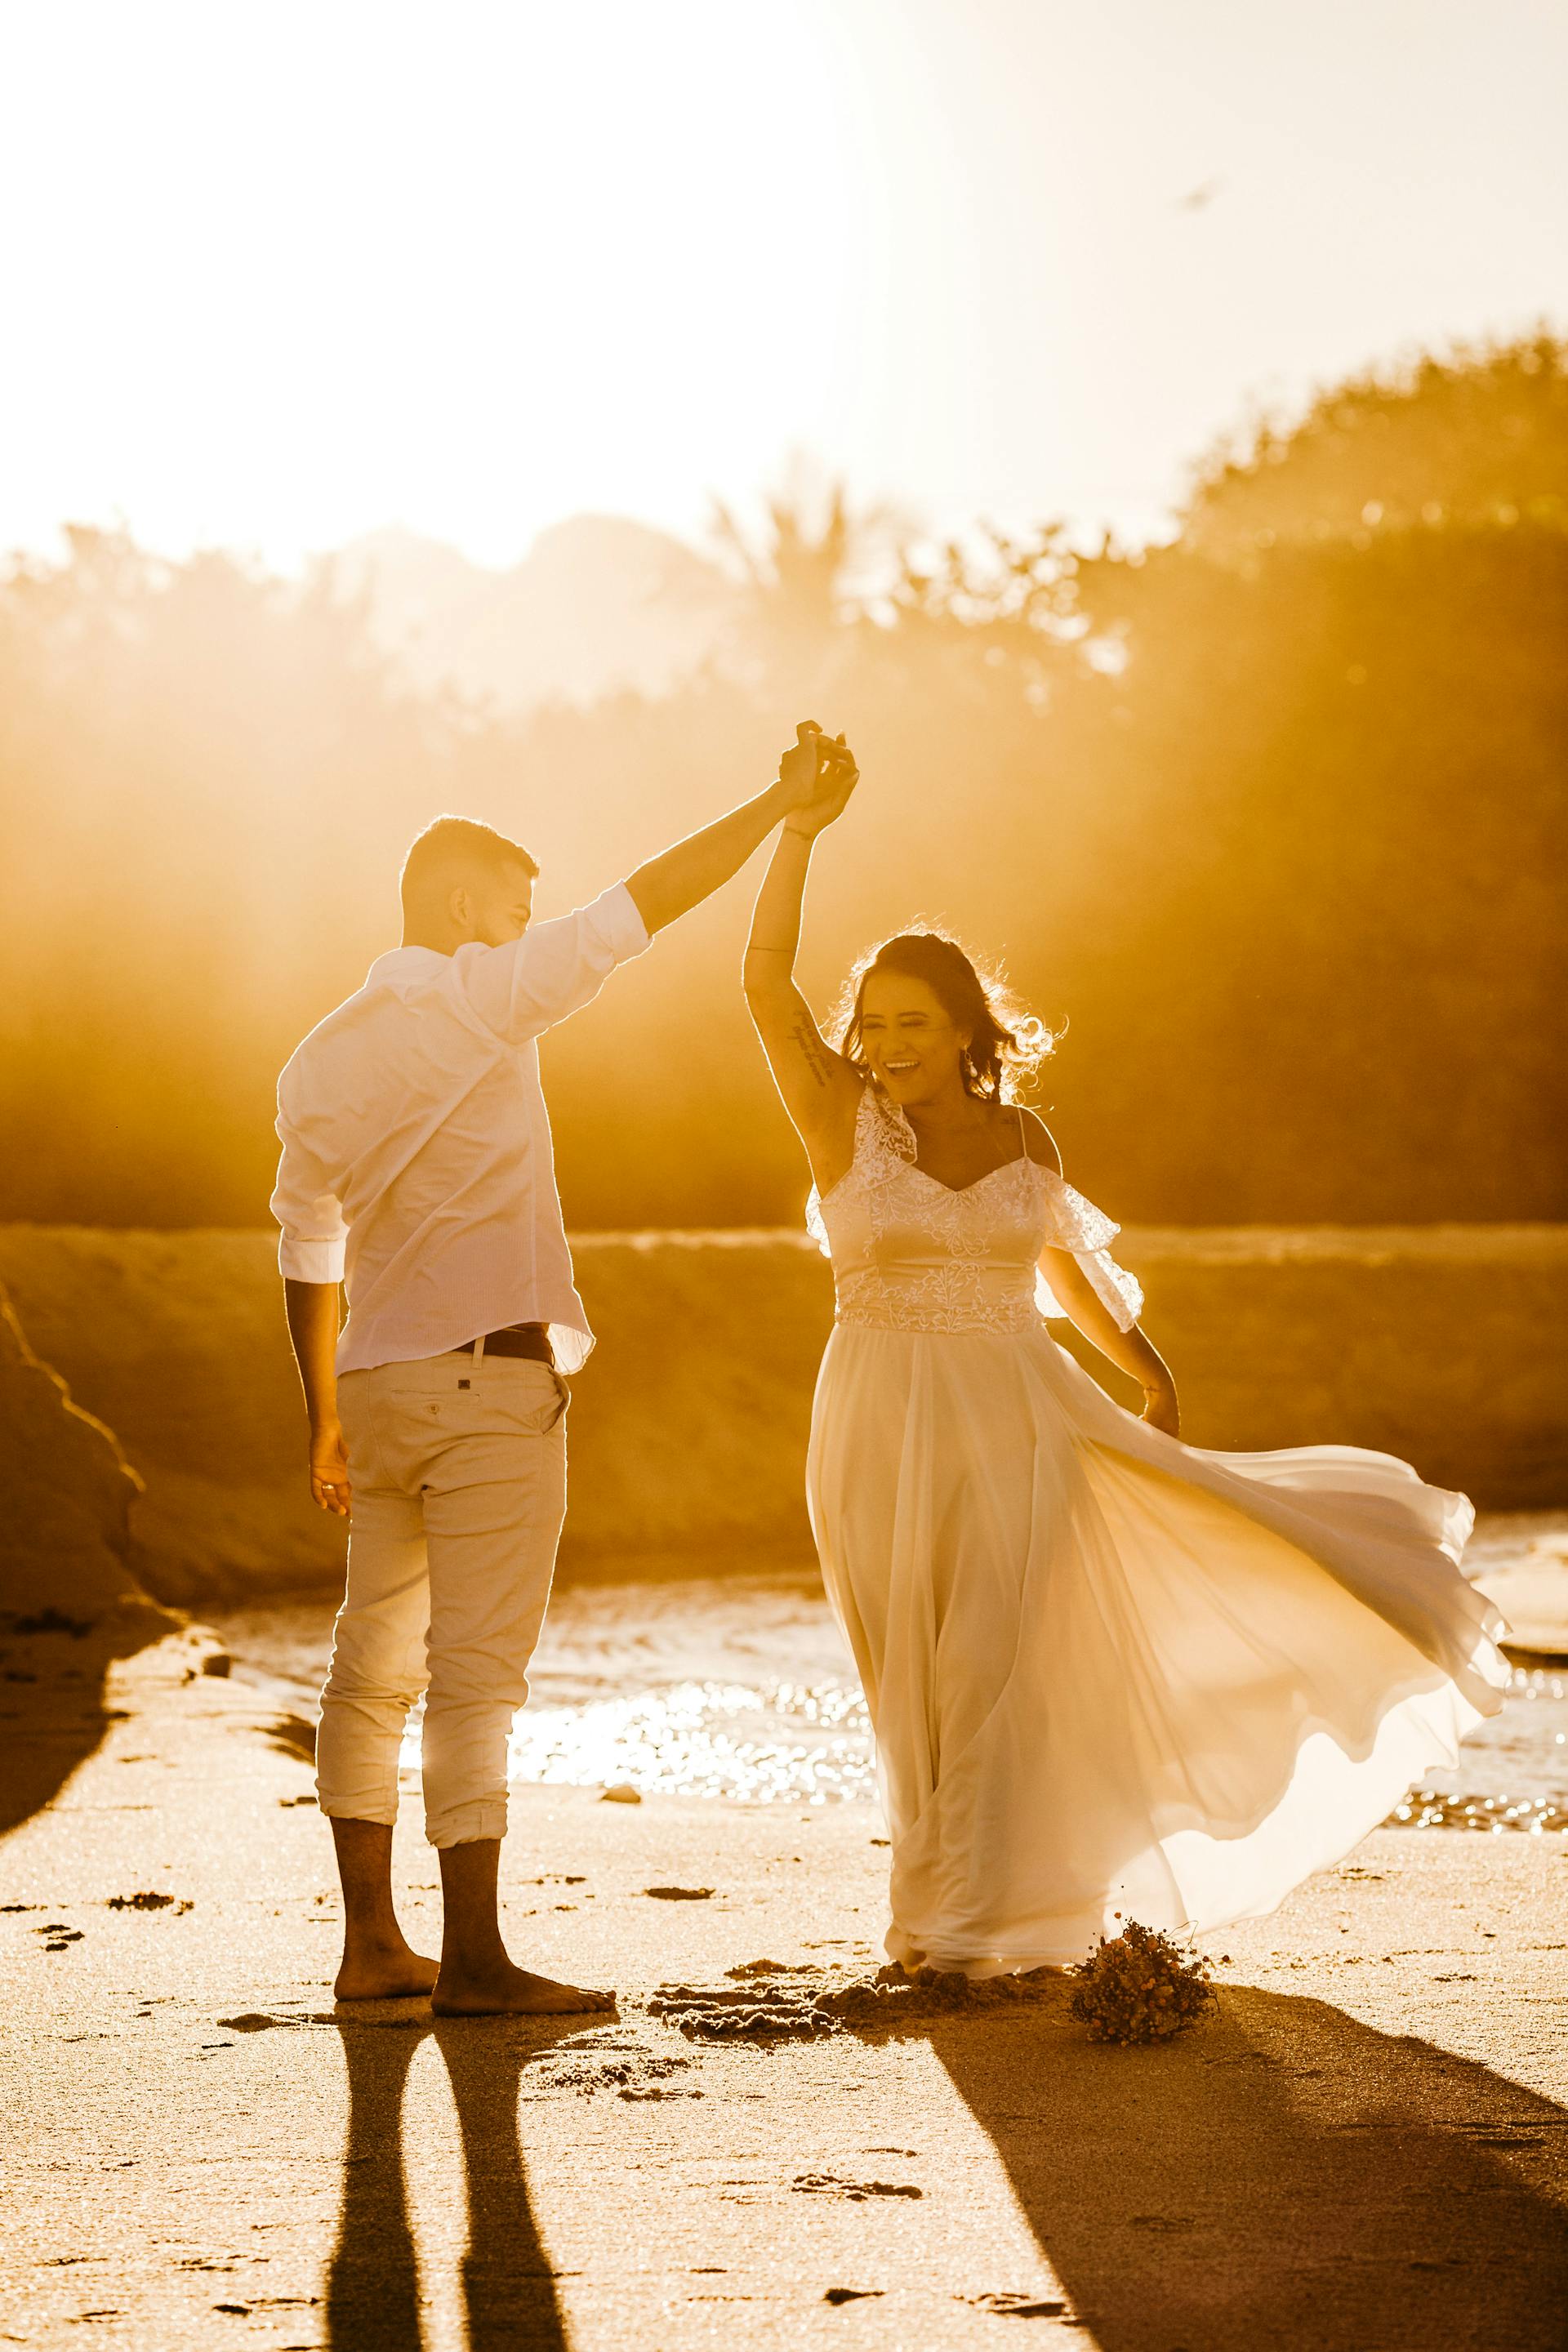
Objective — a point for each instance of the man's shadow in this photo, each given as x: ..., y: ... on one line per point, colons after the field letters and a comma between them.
x: 1282, y: 2176
x: 509, y: 2288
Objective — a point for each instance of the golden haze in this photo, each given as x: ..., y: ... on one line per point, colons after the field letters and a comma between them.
x: 1271, y: 817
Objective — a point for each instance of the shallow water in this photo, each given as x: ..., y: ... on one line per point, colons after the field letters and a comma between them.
x: 735, y: 1686
x: 742, y: 1687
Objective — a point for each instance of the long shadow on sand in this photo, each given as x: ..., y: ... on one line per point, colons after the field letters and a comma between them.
x: 52, y: 1708
x: 508, y: 2290
x: 1282, y: 2177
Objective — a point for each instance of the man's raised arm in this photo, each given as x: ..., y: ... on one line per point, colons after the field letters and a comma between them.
x: 671, y: 885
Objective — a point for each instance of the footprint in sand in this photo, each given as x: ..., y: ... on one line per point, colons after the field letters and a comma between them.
x: 637, y: 2074
x: 1016, y: 2307
x: 828, y: 2184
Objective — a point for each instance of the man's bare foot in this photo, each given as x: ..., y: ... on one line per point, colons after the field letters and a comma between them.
x: 502, y: 1990
x: 384, y: 1972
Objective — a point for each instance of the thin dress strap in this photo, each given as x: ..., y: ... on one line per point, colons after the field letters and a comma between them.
x: 1023, y: 1133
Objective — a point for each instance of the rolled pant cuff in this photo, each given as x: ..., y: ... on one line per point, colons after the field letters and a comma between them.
x: 346, y: 1810
x: 466, y: 1824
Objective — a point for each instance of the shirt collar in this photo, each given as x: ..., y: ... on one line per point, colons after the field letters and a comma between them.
x: 404, y: 963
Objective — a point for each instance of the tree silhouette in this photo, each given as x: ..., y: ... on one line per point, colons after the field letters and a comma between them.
x: 1271, y: 821
x: 1479, y: 437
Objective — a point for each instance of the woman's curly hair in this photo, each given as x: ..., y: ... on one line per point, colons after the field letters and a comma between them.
x: 1006, y: 1046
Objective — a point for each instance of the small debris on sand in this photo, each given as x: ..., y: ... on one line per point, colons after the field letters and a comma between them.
x: 852, y: 2294
x: 146, y: 1901
x: 1016, y: 2307
x: 828, y: 2184
x: 53, y: 1620
x: 680, y: 1894
x: 623, y: 1793
x: 60, y: 1937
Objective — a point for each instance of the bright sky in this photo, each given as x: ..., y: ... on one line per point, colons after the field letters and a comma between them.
x: 280, y: 271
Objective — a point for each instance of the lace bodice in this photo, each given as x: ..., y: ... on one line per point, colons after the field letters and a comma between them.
x: 911, y: 1254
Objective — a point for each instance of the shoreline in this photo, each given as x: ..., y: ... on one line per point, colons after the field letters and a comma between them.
x: 1367, y: 2144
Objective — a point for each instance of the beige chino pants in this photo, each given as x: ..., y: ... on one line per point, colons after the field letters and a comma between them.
x: 459, y: 1472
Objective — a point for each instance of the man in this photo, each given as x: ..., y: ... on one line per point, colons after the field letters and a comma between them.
x: 417, y: 1161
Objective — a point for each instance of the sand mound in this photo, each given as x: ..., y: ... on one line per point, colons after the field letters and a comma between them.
x: 69, y: 1491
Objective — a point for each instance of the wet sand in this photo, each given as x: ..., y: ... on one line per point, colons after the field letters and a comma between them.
x: 1366, y: 2147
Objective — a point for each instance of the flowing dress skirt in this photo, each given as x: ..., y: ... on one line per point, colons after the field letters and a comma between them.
x: 1112, y: 1676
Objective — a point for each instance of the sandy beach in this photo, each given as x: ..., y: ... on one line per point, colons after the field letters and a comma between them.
x: 1366, y: 2145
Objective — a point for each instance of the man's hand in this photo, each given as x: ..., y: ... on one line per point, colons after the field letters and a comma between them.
x: 668, y: 886
x: 329, y: 1486
x: 838, y: 778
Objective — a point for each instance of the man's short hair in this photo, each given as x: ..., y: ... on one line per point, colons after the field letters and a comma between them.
x: 452, y: 846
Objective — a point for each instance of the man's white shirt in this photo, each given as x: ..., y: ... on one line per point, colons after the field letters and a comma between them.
x: 416, y: 1156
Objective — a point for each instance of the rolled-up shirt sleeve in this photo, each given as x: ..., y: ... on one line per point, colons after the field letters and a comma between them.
x: 526, y: 987
x: 313, y: 1238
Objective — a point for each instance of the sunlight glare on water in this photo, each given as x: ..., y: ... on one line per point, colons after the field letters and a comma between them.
x: 707, y: 1739
x: 742, y: 1687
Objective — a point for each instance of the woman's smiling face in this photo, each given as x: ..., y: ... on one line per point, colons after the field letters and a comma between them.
x: 910, y: 1043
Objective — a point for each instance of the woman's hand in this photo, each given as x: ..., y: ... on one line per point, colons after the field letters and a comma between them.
x: 802, y: 766
x: 836, y: 778
x: 1161, y: 1410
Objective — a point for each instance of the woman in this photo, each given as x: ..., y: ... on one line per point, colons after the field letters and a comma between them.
x: 1111, y: 1676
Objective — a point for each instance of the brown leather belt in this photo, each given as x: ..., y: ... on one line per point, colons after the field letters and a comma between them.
x: 530, y: 1339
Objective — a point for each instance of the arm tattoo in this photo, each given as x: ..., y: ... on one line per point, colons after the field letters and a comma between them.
x: 813, y: 1053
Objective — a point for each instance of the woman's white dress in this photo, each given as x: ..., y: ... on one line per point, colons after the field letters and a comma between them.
x: 1110, y: 1676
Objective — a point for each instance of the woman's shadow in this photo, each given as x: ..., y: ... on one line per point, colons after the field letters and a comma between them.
x: 509, y: 2288
x: 1283, y: 2176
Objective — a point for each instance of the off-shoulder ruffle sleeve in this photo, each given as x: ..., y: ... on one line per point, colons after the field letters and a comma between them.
x: 1076, y: 1226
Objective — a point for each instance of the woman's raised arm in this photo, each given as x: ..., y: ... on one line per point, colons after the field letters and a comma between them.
x: 821, y: 1090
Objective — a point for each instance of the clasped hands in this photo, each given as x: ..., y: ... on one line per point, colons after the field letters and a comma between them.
x: 817, y: 776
